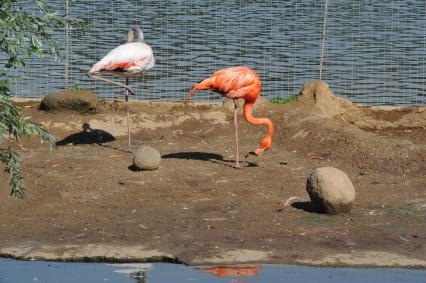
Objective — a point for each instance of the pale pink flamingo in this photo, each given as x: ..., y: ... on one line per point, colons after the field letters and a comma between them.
x: 234, y: 83
x: 128, y: 60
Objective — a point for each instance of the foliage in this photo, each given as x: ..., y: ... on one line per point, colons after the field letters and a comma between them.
x: 283, y: 100
x: 25, y: 31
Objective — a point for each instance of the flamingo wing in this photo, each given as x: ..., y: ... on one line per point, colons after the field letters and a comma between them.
x: 235, y: 79
x: 130, y: 59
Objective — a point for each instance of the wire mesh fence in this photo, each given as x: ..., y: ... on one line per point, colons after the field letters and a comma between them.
x: 374, y: 51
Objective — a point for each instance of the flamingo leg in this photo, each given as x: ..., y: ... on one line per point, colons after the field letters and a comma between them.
x: 111, y: 82
x: 126, y: 93
x: 237, y: 162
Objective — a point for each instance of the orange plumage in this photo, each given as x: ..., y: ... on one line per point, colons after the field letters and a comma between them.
x: 234, y: 83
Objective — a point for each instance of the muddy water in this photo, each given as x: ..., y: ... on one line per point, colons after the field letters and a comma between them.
x: 49, y: 272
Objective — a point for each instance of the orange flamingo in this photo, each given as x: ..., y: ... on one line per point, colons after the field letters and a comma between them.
x: 235, y: 83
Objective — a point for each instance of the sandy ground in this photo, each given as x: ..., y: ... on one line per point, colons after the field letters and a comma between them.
x: 84, y: 202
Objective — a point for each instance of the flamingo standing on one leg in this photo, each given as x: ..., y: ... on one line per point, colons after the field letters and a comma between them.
x: 128, y: 60
x: 234, y: 83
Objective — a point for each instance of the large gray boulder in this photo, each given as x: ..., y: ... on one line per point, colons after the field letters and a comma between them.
x: 146, y: 158
x: 330, y: 190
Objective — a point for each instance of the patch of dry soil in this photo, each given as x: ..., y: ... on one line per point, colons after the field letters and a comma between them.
x: 84, y: 201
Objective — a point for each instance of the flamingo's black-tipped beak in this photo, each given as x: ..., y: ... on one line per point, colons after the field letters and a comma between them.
x: 251, y: 153
x: 260, y: 151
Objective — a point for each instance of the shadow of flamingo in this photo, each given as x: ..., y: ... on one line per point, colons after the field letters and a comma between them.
x: 87, y: 136
x: 205, y: 156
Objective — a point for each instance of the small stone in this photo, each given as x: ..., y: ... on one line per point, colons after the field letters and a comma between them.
x: 330, y: 190
x: 147, y: 158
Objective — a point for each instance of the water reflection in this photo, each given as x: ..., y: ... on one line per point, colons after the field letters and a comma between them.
x: 52, y: 272
x: 240, y: 272
x: 138, y: 271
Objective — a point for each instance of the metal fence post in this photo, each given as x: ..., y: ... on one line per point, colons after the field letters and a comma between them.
x: 323, y: 38
x: 66, y: 45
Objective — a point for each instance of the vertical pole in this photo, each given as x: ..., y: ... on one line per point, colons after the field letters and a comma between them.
x: 66, y: 44
x: 126, y: 93
x: 323, y: 38
x: 237, y: 160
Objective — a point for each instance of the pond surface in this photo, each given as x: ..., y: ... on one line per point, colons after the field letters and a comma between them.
x: 375, y: 51
x: 49, y: 272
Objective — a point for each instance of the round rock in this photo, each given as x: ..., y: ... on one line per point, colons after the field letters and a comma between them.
x: 330, y: 190
x: 147, y: 158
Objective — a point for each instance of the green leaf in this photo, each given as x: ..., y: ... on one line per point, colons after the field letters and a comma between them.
x: 35, y: 41
x: 10, y: 159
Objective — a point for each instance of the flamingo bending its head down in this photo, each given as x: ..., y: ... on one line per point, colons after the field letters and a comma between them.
x: 127, y: 60
x: 235, y: 83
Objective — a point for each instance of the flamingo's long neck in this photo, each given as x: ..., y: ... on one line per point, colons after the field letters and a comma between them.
x: 266, y: 141
x: 131, y: 35
x: 140, y: 34
x: 204, y: 84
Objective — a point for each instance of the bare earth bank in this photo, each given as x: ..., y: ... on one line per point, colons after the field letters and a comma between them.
x: 85, y: 203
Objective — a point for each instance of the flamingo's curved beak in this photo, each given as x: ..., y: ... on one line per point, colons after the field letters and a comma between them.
x: 259, y: 151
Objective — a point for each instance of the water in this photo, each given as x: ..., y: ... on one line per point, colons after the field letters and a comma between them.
x: 375, y: 51
x: 12, y: 271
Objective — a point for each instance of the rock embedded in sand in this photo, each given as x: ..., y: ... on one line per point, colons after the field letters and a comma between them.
x: 330, y: 190
x: 147, y: 158
x: 81, y: 101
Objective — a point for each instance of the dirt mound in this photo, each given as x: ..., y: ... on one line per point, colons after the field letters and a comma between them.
x: 335, y: 128
x: 317, y: 97
x: 80, y: 101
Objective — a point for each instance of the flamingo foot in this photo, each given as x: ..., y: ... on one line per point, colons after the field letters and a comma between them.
x: 237, y: 165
